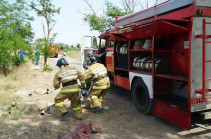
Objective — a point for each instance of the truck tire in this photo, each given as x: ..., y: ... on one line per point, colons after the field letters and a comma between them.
x: 141, y: 97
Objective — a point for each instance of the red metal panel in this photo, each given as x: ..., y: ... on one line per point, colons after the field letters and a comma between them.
x: 207, y: 11
x: 110, y: 60
x: 172, y: 114
x: 179, y: 58
x: 161, y: 28
x: 122, y: 82
x: 184, y: 13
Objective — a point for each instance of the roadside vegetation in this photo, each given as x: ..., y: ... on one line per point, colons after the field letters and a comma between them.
x: 9, y: 84
x: 15, y: 34
x: 71, y: 50
x: 74, y: 53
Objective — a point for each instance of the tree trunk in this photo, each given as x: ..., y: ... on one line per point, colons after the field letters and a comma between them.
x: 4, y: 69
x: 45, y: 61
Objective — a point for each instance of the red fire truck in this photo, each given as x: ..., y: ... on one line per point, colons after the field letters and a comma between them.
x: 55, y: 49
x: 163, y: 56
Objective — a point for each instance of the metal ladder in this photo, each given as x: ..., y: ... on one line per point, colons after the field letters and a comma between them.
x: 204, y: 61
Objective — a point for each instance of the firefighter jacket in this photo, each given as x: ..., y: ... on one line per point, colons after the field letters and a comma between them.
x: 67, y: 76
x: 87, y: 62
x: 98, y: 73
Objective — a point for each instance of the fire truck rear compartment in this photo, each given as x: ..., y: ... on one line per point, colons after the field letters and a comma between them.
x: 172, y: 91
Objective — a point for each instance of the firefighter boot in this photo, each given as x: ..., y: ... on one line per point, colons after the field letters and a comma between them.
x: 78, y: 114
x: 96, y: 110
x: 64, y: 116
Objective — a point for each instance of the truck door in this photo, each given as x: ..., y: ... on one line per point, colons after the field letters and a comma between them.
x: 110, y: 56
x: 88, y: 43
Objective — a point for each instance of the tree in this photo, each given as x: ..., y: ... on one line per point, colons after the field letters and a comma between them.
x: 64, y: 47
x: 72, y: 46
x: 129, y: 5
x: 15, y: 33
x: 148, y: 3
x: 78, y: 45
x: 45, y: 9
x: 103, y: 22
x: 95, y: 42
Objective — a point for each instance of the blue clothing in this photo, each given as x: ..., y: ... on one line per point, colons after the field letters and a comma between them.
x: 36, y: 61
x: 37, y: 54
x: 21, y: 54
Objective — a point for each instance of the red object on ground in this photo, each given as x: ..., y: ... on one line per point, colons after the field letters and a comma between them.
x: 80, y: 135
x: 95, y: 128
x: 82, y: 130
x: 88, y: 128
x: 81, y: 127
x: 67, y: 136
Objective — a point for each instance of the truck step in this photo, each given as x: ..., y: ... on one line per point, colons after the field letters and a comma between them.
x: 205, y: 115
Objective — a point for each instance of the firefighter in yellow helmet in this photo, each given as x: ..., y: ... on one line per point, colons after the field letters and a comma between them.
x: 101, y: 84
x: 67, y: 76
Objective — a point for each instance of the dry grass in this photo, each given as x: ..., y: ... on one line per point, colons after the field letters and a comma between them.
x: 8, y: 85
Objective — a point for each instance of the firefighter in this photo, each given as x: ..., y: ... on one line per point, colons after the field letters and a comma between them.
x: 21, y: 54
x: 37, y: 57
x: 67, y: 76
x: 87, y: 62
x: 101, y: 84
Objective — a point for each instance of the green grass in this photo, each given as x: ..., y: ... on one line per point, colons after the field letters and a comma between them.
x: 74, y: 53
x: 15, y: 114
x: 6, y: 86
x: 6, y: 100
x: 47, y: 68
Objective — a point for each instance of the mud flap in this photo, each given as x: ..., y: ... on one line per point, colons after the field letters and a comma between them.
x: 173, y: 114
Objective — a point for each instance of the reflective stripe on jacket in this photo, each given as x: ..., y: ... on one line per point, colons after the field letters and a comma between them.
x: 65, y: 75
x: 102, y: 87
x: 95, y: 71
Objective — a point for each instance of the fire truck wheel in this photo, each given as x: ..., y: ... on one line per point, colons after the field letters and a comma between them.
x: 141, y: 97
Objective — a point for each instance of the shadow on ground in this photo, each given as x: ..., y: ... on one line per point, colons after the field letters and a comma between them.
x: 121, y: 121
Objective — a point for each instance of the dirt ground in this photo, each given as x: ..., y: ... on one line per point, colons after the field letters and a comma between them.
x: 121, y: 121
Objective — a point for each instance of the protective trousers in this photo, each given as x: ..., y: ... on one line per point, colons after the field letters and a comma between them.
x: 75, y: 103
x: 97, y: 97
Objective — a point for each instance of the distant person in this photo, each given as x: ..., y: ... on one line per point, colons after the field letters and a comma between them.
x: 37, y: 57
x: 87, y: 62
x: 21, y: 53
x: 63, y: 55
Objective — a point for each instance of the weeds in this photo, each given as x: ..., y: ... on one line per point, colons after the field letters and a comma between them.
x: 75, y: 54
x: 15, y: 114
x: 6, y: 100
x: 47, y: 68
x: 6, y: 86
x: 15, y: 77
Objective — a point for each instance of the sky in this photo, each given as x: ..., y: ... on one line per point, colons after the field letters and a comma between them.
x: 70, y: 25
